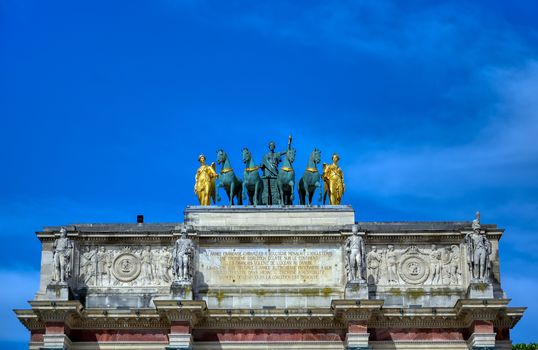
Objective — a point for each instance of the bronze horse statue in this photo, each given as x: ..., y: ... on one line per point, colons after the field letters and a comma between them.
x: 227, y: 179
x: 311, y: 179
x: 286, y: 178
x: 252, y: 182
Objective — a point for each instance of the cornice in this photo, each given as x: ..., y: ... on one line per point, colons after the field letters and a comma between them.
x: 338, y: 316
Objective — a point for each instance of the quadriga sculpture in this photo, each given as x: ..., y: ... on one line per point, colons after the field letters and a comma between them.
x: 227, y: 179
x: 252, y: 182
x: 311, y: 179
x: 286, y: 178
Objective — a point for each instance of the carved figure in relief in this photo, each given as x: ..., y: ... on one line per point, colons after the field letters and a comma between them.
x: 182, y: 257
x: 146, y: 265
x: 478, y: 252
x: 373, y: 262
x: 87, y: 266
x: 62, y: 251
x: 334, y: 181
x: 391, y: 258
x: 454, y: 265
x: 104, y: 266
x: 356, y: 256
x: 165, y: 265
x: 204, y: 186
x: 435, y: 264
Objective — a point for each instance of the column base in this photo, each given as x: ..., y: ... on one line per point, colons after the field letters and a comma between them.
x: 356, y: 341
x: 482, y: 341
x: 56, y: 342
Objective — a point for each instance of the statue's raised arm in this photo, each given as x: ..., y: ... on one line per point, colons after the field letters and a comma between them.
x: 283, y: 153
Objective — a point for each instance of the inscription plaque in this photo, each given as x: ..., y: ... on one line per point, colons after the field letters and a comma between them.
x: 271, y: 266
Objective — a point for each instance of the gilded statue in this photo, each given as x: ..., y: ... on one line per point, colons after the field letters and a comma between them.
x: 334, y: 181
x: 204, y: 186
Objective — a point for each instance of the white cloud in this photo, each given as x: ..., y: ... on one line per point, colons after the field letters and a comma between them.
x: 503, y: 153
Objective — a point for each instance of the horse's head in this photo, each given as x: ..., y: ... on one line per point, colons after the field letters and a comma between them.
x: 221, y: 156
x: 290, y: 155
x: 246, y: 155
x: 316, y: 156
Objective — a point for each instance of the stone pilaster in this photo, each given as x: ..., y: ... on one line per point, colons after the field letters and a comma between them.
x: 56, y: 316
x: 183, y: 315
x: 483, y: 336
x: 357, y: 336
x: 55, y: 337
x: 180, y: 337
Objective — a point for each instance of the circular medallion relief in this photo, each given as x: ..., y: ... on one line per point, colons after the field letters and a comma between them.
x: 126, y: 267
x: 413, y: 269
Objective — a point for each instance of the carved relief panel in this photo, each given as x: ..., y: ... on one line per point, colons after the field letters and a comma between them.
x: 130, y: 266
x: 414, y: 265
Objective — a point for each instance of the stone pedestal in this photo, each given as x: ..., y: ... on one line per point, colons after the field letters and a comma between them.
x: 356, y: 290
x: 181, y: 290
x: 480, y: 290
x: 58, y: 291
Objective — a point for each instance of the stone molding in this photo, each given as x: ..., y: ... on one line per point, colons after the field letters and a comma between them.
x: 462, y: 315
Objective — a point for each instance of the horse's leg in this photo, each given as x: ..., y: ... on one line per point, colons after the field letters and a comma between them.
x: 301, y: 192
x: 281, y: 191
x: 292, y: 188
x: 318, y: 186
x: 217, y: 195
x: 232, y: 189
x: 256, y: 194
x: 245, y: 192
x: 239, y: 193
x: 310, y: 195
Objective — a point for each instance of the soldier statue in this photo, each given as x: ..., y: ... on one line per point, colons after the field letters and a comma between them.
x: 62, y: 250
x: 356, y: 256
x: 182, y: 257
x: 269, y: 167
x: 478, y: 252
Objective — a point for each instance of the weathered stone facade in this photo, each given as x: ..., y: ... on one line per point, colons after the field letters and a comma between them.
x: 269, y: 278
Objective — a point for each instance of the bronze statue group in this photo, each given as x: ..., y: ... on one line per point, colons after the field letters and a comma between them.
x: 272, y: 182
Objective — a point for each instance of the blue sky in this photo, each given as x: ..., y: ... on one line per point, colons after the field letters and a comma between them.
x: 105, y: 106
